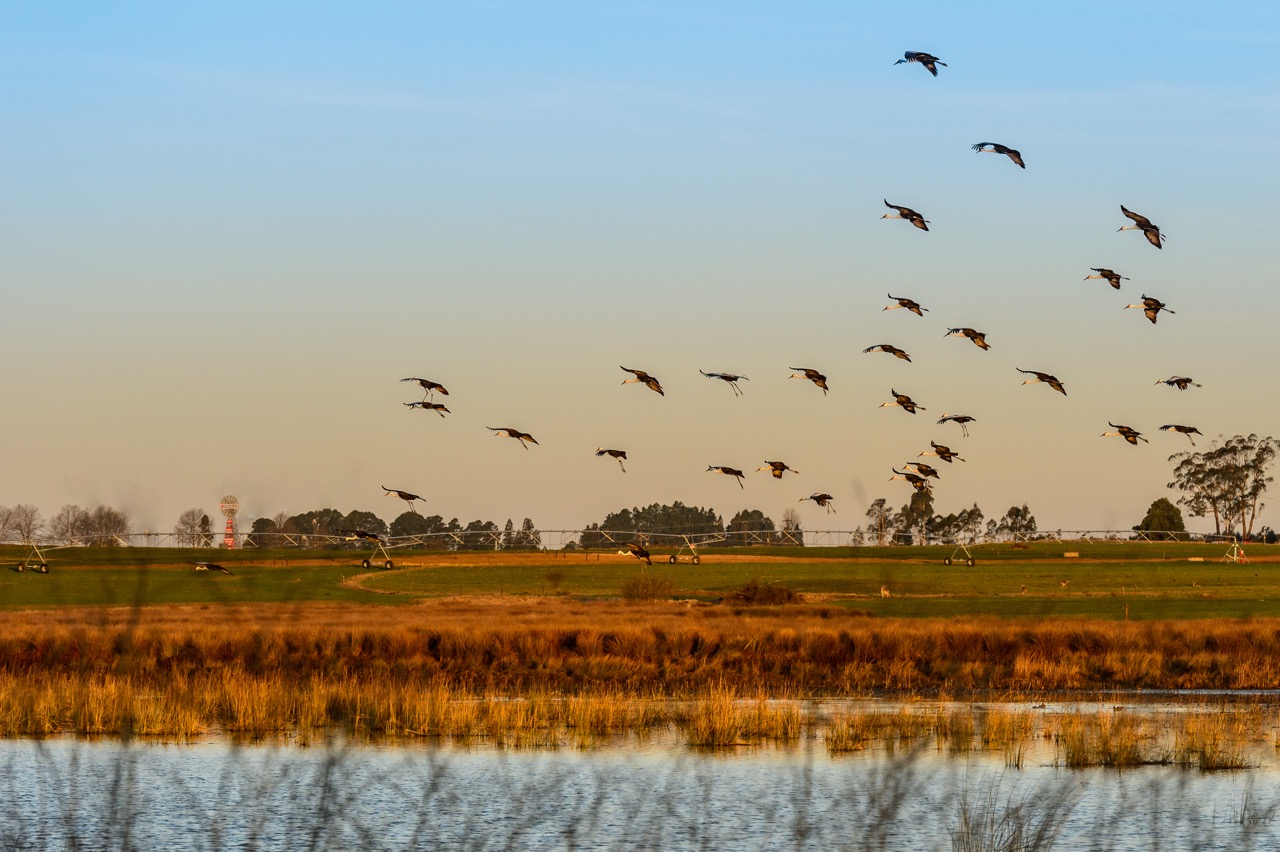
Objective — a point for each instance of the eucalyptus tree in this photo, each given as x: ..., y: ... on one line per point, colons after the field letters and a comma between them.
x: 1227, y: 480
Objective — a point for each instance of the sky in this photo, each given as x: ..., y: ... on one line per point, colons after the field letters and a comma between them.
x: 229, y: 229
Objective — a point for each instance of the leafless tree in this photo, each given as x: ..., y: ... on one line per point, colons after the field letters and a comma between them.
x: 6, y: 523
x: 187, y: 529
x: 107, y: 524
x: 791, y: 532
x: 26, y: 521
x: 70, y: 525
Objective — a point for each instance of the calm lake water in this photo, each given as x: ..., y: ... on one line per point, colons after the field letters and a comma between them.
x: 68, y: 794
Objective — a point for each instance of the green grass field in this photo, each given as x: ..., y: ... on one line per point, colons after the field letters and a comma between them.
x: 1109, y: 580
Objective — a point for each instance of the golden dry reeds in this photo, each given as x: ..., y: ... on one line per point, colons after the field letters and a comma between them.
x: 555, y: 671
x: 1211, y: 741
x: 664, y: 648
x: 1112, y: 739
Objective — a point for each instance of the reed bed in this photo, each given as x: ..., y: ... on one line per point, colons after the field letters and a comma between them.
x: 546, y: 673
x: 558, y: 646
x: 258, y: 708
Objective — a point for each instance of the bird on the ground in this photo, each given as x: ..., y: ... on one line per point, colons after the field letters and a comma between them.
x: 903, y: 401
x: 997, y: 148
x: 617, y: 454
x: 823, y: 500
x: 1143, y: 224
x: 506, y: 431
x: 1151, y: 307
x: 1133, y: 436
x: 1179, y: 382
x: 211, y: 566
x: 917, y: 481
x: 903, y: 302
x: 437, y: 407
x: 979, y: 338
x: 729, y: 378
x: 1109, y: 275
x: 639, y: 553
x: 812, y: 375
x: 942, y: 452
x: 428, y: 386
x: 1051, y: 381
x: 928, y: 60
x: 963, y: 419
x: 403, y: 495
x: 643, y: 378
x: 890, y: 349
x: 360, y: 535
x: 906, y: 213
x: 925, y: 470
x: 1186, y: 430
x: 728, y: 471
x: 777, y: 468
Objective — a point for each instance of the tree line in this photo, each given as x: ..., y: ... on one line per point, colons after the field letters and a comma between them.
x: 452, y: 534
x: 749, y: 526
x: 71, y: 525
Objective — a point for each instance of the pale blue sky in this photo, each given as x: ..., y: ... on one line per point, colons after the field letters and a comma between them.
x: 228, y: 231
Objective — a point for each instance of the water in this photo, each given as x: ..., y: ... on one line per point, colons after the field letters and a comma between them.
x: 76, y: 795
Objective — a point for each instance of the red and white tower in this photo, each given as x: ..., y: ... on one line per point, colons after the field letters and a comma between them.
x: 229, y: 506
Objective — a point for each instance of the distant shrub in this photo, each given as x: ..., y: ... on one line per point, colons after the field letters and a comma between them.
x: 555, y: 577
x: 647, y: 587
x: 766, y: 594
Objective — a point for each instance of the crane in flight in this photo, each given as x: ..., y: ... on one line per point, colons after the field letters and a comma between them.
x: 617, y: 454
x: 810, y: 374
x: 928, y: 60
x: 979, y: 338
x: 963, y: 419
x: 1109, y: 275
x: 777, y: 468
x: 643, y: 378
x: 903, y: 302
x: 639, y: 552
x: 1179, y: 382
x: 823, y: 500
x: 437, y: 407
x: 403, y: 495
x: 1051, y: 381
x: 1133, y: 436
x: 1186, y: 430
x: 943, y: 452
x: 907, y: 404
x: 729, y: 378
x: 917, y: 481
x: 1143, y: 224
x: 889, y: 349
x: 428, y: 387
x: 212, y: 566
x: 728, y: 471
x: 997, y: 148
x: 524, y: 438
x: 925, y: 470
x: 908, y: 214
x: 1151, y: 307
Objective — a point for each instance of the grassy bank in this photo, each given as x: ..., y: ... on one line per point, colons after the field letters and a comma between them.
x: 1108, y: 580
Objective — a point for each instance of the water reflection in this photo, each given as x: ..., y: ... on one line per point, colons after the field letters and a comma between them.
x: 67, y: 794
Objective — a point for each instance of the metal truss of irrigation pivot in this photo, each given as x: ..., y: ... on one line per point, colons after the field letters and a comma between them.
x: 614, y: 539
